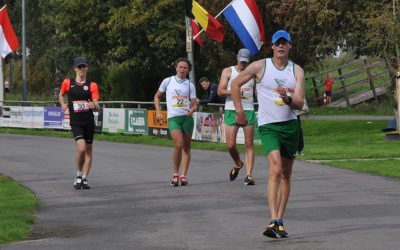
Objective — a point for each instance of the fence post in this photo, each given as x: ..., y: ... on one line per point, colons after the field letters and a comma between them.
x: 346, y: 96
x: 371, y: 82
x: 316, y: 91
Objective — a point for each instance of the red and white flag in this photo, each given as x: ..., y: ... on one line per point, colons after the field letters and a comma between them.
x: 8, y: 39
x: 196, y: 31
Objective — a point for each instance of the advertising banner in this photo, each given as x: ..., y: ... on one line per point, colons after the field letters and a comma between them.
x: 98, y: 121
x: 16, y: 115
x: 66, y: 120
x: 211, y: 127
x: 32, y: 117
x: 136, y: 121
x: 157, y: 128
x: 6, y: 117
x: 208, y: 127
x: 53, y: 117
x: 114, y: 120
x: 1, y: 116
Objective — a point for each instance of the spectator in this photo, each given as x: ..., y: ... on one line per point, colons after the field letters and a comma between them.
x: 211, y: 95
x: 328, y: 89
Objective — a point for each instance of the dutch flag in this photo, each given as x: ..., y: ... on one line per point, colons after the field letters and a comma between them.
x: 246, y: 21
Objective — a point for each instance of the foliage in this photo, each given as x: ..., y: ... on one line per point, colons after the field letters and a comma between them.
x: 146, y: 37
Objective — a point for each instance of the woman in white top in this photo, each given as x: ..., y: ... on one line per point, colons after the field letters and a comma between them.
x: 181, y: 104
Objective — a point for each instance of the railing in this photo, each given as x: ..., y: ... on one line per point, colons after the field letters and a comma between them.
x: 104, y: 104
x: 348, y: 85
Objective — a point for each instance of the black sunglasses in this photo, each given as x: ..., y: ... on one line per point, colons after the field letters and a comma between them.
x: 81, y: 66
x: 281, y: 41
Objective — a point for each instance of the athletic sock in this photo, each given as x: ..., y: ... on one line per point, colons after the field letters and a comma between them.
x: 83, y: 177
x: 279, y: 221
x: 78, y: 173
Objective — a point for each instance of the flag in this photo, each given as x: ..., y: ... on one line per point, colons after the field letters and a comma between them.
x: 8, y: 39
x: 213, y: 28
x: 196, y: 30
x: 246, y: 21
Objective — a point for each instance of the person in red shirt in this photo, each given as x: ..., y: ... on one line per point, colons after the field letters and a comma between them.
x: 83, y: 99
x: 328, y: 88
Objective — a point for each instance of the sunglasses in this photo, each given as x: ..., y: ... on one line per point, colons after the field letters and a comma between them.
x: 281, y: 41
x: 82, y: 66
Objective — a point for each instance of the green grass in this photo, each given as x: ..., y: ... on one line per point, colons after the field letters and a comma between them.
x: 329, y: 140
x: 389, y: 168
x: 17, y: 205
x: 384, y: 108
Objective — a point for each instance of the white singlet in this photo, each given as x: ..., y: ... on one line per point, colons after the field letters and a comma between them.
x: 246, y: 92
x: 271, y: 108
x: 177, y: 95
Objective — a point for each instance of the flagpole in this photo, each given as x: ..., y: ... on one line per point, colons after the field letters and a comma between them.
x: 1, y: 75
x: 1, y: 83
x: 222, y: 11
x: 189, y: 48
x: 24, y: 89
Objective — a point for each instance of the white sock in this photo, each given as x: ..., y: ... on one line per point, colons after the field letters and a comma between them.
x: 83, y: 177
x: 78, y: 173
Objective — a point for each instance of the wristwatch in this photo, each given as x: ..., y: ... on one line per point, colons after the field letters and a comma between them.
x: 289, y: 100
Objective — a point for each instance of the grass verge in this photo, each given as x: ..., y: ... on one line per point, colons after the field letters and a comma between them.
x: 17, y: 205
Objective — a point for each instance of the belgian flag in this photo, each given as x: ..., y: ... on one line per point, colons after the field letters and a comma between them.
x: 213, y: 28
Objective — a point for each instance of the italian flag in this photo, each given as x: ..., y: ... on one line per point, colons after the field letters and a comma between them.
x: 8, y: 39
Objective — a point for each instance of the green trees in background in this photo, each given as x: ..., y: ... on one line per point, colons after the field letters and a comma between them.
x: 132, y: 44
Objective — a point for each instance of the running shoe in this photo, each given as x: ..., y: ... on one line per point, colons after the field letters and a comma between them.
x: 281, y: 231
x: 235, y: 171
x: 249, y: 180
x: 272, y: 230
x: 184, y: 181
x: 85, y: 184
x: 175, y: 180
x: 78, y: 182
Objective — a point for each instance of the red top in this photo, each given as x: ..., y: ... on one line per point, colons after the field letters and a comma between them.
x: 328, y: 84
x: 94, y: 90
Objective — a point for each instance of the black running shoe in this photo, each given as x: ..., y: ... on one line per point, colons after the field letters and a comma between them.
x: 249, y: 180
x: 281, y: 231
x: 272, y: 230
x: 78, y: 182
x: 85, y: 184
x: 235, y: 171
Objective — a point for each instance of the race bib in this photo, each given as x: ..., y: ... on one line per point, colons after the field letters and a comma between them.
x: 180, y: 102
x: 245, y: 93
x: 81, y: 106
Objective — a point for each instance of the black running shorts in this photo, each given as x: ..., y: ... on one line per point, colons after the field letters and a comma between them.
x: 83, y: 131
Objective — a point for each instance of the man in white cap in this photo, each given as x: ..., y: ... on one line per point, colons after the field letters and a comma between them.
x: 280, y: 90
x: 232, y: 128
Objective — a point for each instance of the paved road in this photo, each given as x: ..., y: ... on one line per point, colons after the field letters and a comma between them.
x: 131, y: 205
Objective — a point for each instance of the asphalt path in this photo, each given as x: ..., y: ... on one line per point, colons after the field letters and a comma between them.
x: 132, y: 206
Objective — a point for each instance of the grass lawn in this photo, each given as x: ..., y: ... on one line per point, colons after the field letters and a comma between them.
x: 17, y: 206
x: 389, y: 168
